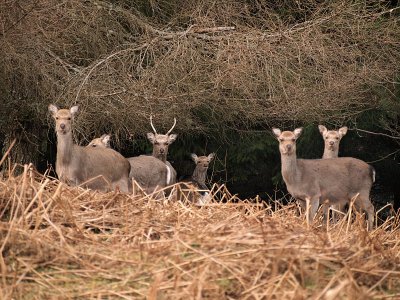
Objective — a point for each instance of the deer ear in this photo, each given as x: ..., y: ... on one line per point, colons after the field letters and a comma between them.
x: 322, y: 129
x: 172, y: 138
x: 276, y: 131
x: 194, y: 157
x: 297, y: 132
x: 211, y: 156
x: 105, y: 138
x: 151, y: 137
x: 74, y: 109
x: 53, y: 109
x: 343, y: 131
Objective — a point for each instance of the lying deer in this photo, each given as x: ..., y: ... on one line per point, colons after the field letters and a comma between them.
x: 336, y: 180
x: 195, y: 188
x: 149, y: 172
x: 161, y: 143
x: 76, y: 164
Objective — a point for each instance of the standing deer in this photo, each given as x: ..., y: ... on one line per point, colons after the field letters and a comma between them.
x: 336, y: 180
x: 149, y: 172
x: 331, y: 140
x: 161, y: 143
x: 197, y: 181
x: 76, y: 164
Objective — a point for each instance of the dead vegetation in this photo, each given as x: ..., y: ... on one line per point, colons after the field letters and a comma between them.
x: 232, y: 64
x: 63, y: 242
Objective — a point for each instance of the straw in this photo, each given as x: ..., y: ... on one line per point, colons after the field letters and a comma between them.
x: 67, y: 242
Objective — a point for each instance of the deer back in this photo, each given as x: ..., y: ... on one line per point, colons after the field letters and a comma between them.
x: 336, y: 179
x: 148, y: 171
x: 88, y: 163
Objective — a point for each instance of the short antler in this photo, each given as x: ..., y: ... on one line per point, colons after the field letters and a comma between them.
x: 151, y: 123
x: 171, y: 127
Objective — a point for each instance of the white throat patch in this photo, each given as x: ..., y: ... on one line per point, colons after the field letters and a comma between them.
x: 168, y: 175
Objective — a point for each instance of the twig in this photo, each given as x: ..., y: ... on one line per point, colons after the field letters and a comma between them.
x: 377, y: 133
x: 383, y: 158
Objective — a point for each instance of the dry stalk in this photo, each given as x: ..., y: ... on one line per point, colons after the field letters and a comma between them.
x: 59, y: 241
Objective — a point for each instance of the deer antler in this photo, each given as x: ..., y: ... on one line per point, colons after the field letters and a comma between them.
x: 172, y: 127
x: 151, y: 123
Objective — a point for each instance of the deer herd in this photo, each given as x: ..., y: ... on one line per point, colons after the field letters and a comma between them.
x: 331, y: 181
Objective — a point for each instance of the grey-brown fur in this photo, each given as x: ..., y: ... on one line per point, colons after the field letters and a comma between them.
x: 76, y: 164
x: 336, y: 180
x: 148, y: 171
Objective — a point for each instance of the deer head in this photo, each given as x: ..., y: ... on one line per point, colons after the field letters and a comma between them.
x: 63, y: 118
x: 161, y: 142
x: 287, y: 140
x: 332, y: 137
x: 202, y: 161
x: 101, y: 142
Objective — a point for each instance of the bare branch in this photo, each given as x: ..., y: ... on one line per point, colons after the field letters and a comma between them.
x: 377, y: 133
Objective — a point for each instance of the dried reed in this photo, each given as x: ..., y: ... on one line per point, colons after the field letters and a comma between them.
x: 64, y: 242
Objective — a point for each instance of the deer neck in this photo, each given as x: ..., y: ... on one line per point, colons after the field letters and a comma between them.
x: 330, y: 153
x: 290, y: 171
x: 199, y: 175
x: 64, y: 148
x: 162, y: 157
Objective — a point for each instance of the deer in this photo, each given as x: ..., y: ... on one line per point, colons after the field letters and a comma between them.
x: 197, y: 181
x: 335, y: 180
x: 332, y: 140
x: 161, y: 143
x: 149, y: 172
x: 77, y: 164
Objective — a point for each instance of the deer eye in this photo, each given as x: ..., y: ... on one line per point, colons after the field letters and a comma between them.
x: 337, y: 138
x: 57, y: 118
x: 281, y: 140
x: 293, y: 140
x: 69, y: 118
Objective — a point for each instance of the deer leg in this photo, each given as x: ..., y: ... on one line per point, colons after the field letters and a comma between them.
x: 326, y: 208
x: 314, y: 203
x: 369, y: 208
x: 364, y: 203
x: 122, y: 184
x: 371, y: 214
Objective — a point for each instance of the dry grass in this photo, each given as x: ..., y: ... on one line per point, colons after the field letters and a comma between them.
x: 62, y: 242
